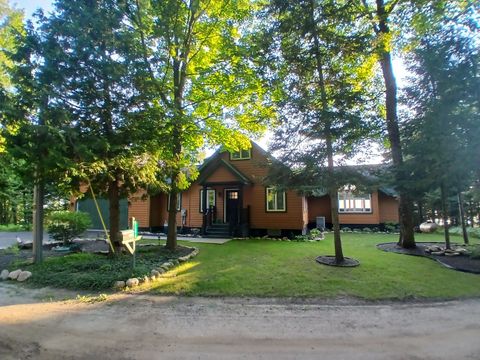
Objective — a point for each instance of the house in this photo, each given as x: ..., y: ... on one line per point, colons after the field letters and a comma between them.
x: 238, y: 202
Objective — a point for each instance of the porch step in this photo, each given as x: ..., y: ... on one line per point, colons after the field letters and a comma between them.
x: 218, y: 231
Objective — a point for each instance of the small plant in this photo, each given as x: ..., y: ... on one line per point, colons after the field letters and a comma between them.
x: 65, y: 225
x: 375, y: 229
x: 391, y: 227
x: 91, y: 299
x: 475, y: 254
x: 12, y: 250
x: 315, y: 234
x: 301, y: 238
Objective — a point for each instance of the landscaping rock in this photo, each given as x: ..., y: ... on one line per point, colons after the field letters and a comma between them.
x: 153, y: 278
x: 24, y: 275
x: 4, y: 274
x: 461, y: 250
x: 154, y: 273
x: 132, y: 282
x: 166, y: 265
x: 452, y: 254
x: 119, y: 285
x: 175, y: 262
x: 183, y: 258
x: 438, y: 253
x: 145, y: 279
x: 160, y: 271
x: 14, y: 274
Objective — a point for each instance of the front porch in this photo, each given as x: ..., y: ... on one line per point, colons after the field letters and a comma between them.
x: 224, y: 210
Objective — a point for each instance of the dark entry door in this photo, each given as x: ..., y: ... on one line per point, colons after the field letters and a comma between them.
x: 232, y: 197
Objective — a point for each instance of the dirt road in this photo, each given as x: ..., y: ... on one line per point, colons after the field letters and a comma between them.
x: 35, y: 325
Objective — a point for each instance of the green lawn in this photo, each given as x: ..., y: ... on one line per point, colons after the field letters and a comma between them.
x: 261, y: 267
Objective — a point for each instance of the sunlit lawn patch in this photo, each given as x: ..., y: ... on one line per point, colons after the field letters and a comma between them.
x: 261, y: 267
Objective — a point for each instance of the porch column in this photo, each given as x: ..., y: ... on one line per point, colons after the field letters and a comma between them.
x: 204, y: 209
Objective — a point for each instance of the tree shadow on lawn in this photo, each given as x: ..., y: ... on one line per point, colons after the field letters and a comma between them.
x: 460, y: 263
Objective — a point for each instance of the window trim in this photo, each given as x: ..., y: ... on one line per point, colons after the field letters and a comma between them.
x: 276, y: 210
x: 179, y: 202
x: 200, y: 209
x: 248, y: 157
x: 346, y: 195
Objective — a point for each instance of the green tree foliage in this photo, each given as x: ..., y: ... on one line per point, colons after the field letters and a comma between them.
x: 444, y: 105
x: 316, y: 57
x: 89, y: 55
x: 200, y: 80
x: 11, y: 24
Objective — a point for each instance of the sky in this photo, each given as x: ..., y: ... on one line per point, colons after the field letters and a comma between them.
x: 30, y: 6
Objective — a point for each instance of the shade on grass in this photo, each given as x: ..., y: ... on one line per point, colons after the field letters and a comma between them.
x: 261, y: 267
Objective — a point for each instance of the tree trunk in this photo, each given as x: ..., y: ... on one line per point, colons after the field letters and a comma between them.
x: 444, y: 200
x: 172, y: 221
x: 38, y: 201
x: 332, y: 188
x: 461, y: 212
x: 114, y: 216
x: 339, y: 258
x: 405, y: 204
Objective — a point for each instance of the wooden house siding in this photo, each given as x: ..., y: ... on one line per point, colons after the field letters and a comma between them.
x: 388, y: 208
x: 319, y: 206
x: 221, y: 174
x: 139, y: 208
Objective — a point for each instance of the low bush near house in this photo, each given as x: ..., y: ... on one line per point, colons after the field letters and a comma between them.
x: 65, y: 225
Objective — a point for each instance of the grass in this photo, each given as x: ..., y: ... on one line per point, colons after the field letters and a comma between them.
x: 15, y: 228
x: 272, y: 268
x: 267, y: 268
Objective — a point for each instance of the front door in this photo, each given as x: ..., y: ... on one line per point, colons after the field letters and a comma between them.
x: 232, y: 197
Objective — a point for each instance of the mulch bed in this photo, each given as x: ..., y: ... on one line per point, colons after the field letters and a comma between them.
x: 460, y: 263
x: 331, y: 261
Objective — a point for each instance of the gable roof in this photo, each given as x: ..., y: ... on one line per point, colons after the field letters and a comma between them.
x: 207, y: 169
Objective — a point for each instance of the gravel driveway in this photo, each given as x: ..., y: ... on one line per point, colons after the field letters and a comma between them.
x: 9, y: 238
x: 32, y: 326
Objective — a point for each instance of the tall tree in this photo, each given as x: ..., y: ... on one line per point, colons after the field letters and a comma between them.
x: 316, y: 57
x: 380, y: 15
x: 444, y: 102
x: 89, y: 55
x: 200, y: 79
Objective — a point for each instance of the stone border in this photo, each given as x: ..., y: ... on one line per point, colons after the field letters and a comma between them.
x: 157, y: 273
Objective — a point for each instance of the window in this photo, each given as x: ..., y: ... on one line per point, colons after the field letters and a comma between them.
x: 233, y: 195
x: 350, y: 201
x: 276, y: 200
x: 210, y: 198
x: 179, y: 202
x: 241, y: 155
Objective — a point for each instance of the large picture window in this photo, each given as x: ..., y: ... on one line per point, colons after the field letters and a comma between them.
x: 241, y: 155
x: 350, y: 201
x: 210, y: 199
x: 179, y: 202
x: 276, y: 200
